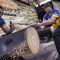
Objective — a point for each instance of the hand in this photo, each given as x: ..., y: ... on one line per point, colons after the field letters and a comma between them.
x: 38, y: 24
x: 12, y: 26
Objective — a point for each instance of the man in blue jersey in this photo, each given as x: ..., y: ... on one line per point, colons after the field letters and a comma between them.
x: 46, y: 32
x: 52, y: 21
x: 3, y: 25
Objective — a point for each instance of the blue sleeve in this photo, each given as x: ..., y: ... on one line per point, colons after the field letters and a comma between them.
x: 2, y: 21
x: 56, y: 12
x: 45, y: 16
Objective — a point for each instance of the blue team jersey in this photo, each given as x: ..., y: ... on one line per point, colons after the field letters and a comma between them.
x: 48, y: 16
x: 2, y: 21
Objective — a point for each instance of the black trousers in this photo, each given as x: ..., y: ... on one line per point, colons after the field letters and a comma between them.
x: 56, y: 38
x: 45, y: 32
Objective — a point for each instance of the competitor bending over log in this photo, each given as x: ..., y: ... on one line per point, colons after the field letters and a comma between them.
x: 52, y: 18
x: 3, y: 25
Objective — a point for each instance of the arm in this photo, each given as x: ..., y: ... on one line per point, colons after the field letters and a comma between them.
x: 49, y: 21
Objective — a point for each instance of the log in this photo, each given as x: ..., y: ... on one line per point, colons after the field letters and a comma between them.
x: 47, y: 52
x: 20, y: 43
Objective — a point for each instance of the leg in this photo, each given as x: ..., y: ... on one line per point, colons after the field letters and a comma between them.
x: 45, y: 32
x: 56, y: 38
